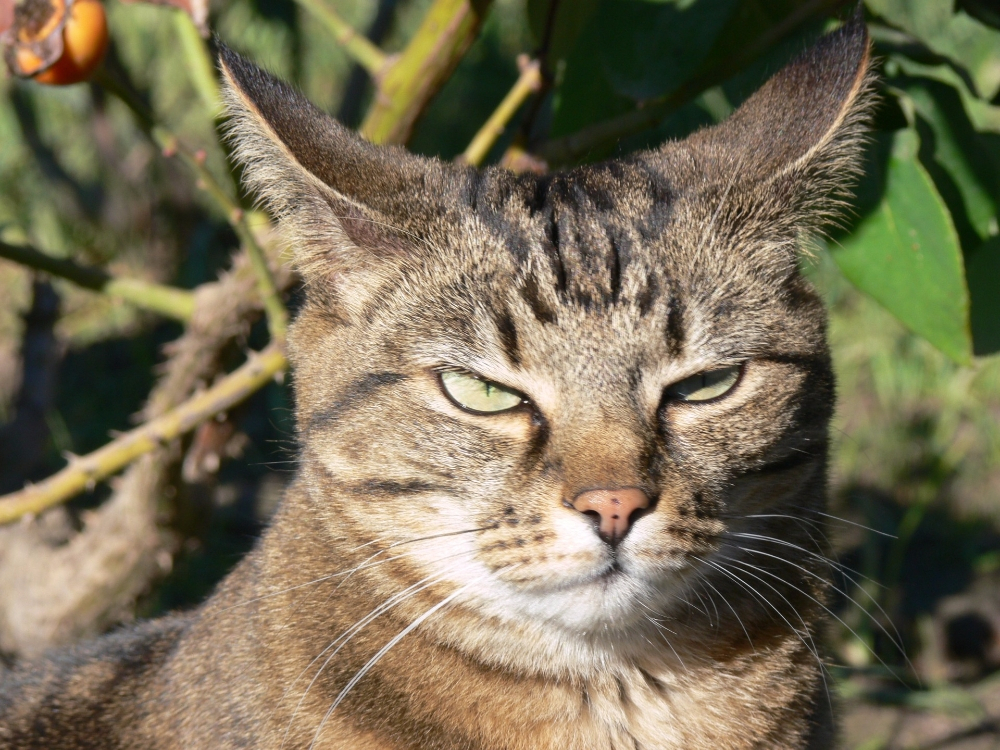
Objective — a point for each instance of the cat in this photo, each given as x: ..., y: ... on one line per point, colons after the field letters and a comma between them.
x: 563, y: 450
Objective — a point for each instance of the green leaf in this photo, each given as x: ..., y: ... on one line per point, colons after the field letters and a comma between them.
x: 570, y: 19
x: 984, y: 116
x: 957, y: 36
x: 983, y: 267
x: 631, y: 51
x: 956, y: 150
x: 907, y: 256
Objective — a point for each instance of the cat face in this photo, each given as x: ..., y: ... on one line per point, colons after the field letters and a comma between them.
x: 574, y: 389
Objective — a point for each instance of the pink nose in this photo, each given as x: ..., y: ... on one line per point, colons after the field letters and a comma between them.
x: 614, y: 508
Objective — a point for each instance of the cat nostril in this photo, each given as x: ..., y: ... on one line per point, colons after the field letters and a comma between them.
x: 615, y: 510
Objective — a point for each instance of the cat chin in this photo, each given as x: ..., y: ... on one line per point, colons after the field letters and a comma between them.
x: 608, y: 602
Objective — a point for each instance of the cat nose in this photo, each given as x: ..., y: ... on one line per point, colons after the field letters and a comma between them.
x: 615, y: 508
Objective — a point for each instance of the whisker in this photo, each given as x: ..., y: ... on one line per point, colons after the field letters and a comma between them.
x: 386, y: 648
x: 896, y: 641
x: 338, y: 643
x: 853, y: 523
x: 826, y: 608
x: 660, y: 627
x: 725, y: 601
x: 831, y: 563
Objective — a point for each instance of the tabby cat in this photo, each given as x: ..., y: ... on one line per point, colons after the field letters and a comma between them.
x: 563, y: 453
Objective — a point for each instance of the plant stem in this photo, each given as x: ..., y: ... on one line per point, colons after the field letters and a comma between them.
x: 529, y: 81
x: 159, y: 298
x: 365, y: 54
x: 83, y: 471
x: 169, y: 143
x: 201, y: 67
x: 409, y: 83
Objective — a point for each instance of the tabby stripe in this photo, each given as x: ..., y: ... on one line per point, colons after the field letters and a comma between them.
x: 508, y: 336
x: 354, y: 395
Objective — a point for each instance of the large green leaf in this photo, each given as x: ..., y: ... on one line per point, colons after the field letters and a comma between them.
x: 906, y: 255
x: 631, y: 51
x: 984, y: 116
x: 958, y: 162
x: 957, y: 36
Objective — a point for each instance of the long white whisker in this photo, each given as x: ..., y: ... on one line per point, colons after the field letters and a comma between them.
x: 385, y: 649
x: 827, y: 609
x: 660, y: 627
x: 725, y: 601
x: 338, y: 643
x: 896, y: 641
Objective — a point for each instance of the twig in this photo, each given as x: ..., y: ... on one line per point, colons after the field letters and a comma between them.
x: 199, y: 62
x: 409, y: 83
x: 82, y: 472
x: 159, y: 298
x: 170, y: 144
x: 576, y: 145
x: 529, y: 81
x: 366, y: 54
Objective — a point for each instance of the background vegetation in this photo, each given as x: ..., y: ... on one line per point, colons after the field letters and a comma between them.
x: 126, y: 177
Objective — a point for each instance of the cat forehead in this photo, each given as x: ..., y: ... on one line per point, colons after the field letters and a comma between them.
x: 606, y: 233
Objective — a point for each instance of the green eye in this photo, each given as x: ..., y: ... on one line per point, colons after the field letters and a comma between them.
x: 476, y: 394
x: 705, y: 385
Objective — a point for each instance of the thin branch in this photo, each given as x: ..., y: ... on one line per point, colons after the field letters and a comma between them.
x: 573, y: 147
x: 84, y: 471
x: 170, y: 144
x: 201, y: 67
x: 365, y: 54
x: 408, y: 84
x: 159, y: 298
x: 529, y: 81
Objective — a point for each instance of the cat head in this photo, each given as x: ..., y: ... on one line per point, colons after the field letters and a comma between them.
x: 578, y: 388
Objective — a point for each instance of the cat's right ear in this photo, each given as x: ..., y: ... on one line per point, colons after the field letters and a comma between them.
x: 350, y: 209
x: 797, y: 141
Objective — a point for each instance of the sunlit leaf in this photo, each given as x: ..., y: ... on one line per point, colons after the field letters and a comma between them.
x: 984, y: 116
x: 956, y: 150
x: 957, y: 36
x: 907, y: 256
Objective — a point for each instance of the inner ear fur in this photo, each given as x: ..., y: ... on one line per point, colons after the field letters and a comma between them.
x: 343, y: 203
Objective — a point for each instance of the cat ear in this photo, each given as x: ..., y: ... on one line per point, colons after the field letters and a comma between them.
x: 345, y: 205
x: 801, y: 133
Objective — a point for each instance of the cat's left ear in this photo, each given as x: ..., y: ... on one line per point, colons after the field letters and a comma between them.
x: 799, y: 137
x: 350, y: 209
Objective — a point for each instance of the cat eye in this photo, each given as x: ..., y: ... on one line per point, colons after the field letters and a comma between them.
x: 705, y: 385
x: 478, y: 395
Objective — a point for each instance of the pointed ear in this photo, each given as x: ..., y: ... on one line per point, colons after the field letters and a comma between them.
x: 345, y: 205
x: 799, y: 137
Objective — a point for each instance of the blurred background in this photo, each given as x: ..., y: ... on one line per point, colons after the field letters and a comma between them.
x: 116, y: 190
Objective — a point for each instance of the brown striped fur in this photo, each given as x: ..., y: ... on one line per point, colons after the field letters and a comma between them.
x: 512, y: 624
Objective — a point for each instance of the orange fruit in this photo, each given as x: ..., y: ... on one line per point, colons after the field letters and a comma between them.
x: 84, y: 40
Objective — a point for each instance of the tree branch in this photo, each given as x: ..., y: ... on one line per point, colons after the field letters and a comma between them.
x: 409, y: 83
x: 170, y: 144
x: 159, y: 298
x: 365, y: 54
x: 529, y: 81
x: 82, y: 472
